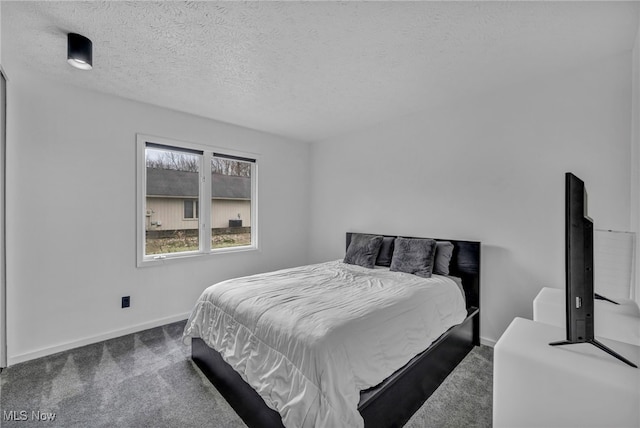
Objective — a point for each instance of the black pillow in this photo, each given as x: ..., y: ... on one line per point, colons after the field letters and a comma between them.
x: 363, y: 250
x: 444, y: 251
x: 414, y: 255
x: 386, y: 251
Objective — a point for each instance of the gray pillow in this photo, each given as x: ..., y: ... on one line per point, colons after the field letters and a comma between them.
x: 412, y: 255
x: 386, y: 251
x: 444, y: 251
x: 363, y: 250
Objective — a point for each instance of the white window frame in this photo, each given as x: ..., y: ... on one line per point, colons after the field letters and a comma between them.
x: 195, y: 211
x: 204, y: 208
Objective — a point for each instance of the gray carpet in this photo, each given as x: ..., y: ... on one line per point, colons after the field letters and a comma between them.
x: 147, y: 379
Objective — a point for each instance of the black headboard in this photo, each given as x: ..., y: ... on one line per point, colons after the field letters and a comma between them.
x: 465, y: 264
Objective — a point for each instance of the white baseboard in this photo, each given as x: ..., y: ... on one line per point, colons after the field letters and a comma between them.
x: 487, y: 342
x: 13, y: 360
x: 16, y: 359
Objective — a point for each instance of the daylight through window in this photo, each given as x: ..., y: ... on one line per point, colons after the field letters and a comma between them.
x: 176, y: 182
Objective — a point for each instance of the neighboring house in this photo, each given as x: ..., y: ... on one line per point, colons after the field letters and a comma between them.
x: 172, y: 200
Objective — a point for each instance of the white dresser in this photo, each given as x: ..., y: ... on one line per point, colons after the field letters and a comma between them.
x: 537, y: 385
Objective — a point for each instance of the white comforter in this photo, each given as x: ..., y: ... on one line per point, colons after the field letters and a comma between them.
x: 308, y: 339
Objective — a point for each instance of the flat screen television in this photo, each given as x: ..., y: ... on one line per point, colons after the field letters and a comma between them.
x: 580, y: 293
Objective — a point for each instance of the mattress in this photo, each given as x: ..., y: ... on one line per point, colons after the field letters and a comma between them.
x: 309, y: 339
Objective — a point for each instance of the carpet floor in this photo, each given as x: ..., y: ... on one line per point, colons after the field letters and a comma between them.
x: 147, y: 379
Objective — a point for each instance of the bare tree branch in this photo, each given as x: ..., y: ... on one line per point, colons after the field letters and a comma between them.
x: 186, y: 162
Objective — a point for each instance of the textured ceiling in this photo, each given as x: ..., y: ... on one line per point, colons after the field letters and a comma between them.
x: 311, y: 70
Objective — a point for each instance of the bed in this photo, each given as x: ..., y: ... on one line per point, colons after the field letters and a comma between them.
x: 392, y: 399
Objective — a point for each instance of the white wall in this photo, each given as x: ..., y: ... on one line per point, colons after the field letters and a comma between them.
x: 489, y: 169
x: 71, y: 215
x: 3, y: 338
x: 635, y: 160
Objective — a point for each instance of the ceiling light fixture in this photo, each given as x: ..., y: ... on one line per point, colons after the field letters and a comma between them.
x: 79, y: 51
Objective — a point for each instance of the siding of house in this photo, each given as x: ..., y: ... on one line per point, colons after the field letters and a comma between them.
x: 223, y: 210
x: 167, y: 190
x: 170, y: 213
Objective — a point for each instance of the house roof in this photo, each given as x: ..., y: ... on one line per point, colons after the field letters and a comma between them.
x: 172, y: 183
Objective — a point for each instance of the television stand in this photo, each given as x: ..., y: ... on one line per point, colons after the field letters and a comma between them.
x: 537, y: 385
x: 597, y: 345
x: 600, y: 297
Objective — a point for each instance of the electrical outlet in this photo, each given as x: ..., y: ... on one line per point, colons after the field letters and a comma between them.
x: 126, y: 301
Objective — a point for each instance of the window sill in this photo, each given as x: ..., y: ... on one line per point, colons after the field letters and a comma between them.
x: 162, y: 259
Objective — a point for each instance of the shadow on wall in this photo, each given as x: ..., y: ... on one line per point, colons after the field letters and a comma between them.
x: 507, y: 290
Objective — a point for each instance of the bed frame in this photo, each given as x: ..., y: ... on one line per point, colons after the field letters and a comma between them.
x: 397, y: 398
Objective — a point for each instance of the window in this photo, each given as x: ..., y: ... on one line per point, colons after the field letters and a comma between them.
x: 231, y: 202
x: 191, y: 209
x: 174, y: 181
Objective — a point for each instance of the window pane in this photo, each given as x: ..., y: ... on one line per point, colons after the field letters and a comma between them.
x: 230, y: 202
x: 188, y: 209
x: 172, y: 179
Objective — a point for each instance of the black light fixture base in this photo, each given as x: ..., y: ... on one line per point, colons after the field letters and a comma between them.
x: 597, y: 345
x: 79, y: 51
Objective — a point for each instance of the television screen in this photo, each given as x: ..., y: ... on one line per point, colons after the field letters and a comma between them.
x: 579, y: 269
x: 579, y: 262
